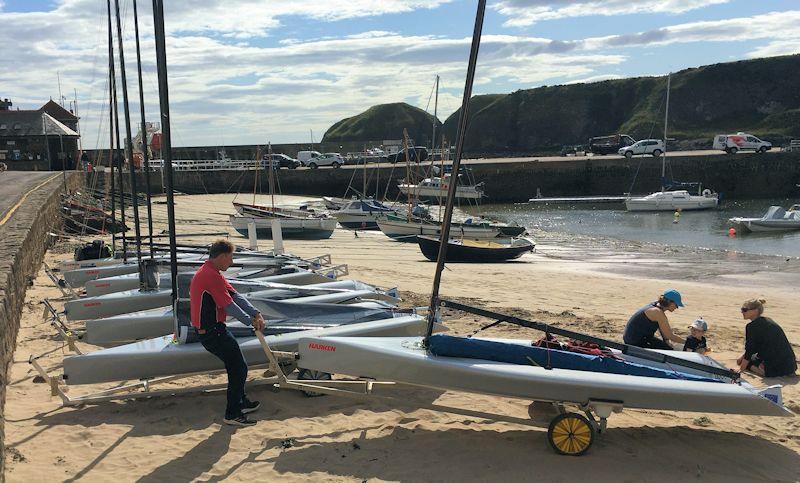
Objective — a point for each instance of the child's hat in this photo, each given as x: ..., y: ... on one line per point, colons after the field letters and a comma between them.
x: 699, y: 324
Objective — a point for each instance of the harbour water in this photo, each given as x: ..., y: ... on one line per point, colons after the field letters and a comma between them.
x: 695, y: 229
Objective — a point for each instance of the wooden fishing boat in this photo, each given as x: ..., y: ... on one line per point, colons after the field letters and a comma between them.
x: 476, y: 251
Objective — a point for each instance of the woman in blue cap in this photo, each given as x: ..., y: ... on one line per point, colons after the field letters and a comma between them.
x: 642, y: 326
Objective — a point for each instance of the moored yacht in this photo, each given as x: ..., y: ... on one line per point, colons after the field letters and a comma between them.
x: 673, y: 201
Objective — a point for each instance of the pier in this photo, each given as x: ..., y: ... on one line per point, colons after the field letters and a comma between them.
x: 518, y: 180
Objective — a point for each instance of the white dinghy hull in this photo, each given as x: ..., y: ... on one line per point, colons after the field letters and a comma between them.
x: 403, y: 360
x: 162, y: 357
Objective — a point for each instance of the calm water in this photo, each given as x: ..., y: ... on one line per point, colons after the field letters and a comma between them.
x: 699, y: 229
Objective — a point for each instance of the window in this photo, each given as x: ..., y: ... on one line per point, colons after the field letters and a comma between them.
x: 11, y: 143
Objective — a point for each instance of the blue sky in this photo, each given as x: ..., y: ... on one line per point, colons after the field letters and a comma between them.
x: 252, y: 71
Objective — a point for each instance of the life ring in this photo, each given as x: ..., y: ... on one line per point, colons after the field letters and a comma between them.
x: 707, y: 193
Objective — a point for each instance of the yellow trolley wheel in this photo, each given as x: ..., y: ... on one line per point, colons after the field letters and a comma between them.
x: 570, y: 434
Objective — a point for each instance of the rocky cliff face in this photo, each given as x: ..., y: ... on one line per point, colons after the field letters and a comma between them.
x: 761, y: 96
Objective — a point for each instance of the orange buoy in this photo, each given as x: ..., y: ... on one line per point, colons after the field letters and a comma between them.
x: 732, y: 232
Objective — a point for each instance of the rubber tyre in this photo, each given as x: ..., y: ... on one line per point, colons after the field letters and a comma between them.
x: 733, y: 150
x: 657, y: 153
x: 335, y: 165
x: 629, y: 154
x: 294, y: 166
x: 313, y: 165
x: 570, y: 434
x: 309, y: 375
x: 762, y: 150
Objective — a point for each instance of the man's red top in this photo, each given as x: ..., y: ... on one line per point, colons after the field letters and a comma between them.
x: 209, y: 294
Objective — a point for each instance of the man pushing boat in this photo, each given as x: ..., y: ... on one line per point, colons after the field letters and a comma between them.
x: 212, y: 300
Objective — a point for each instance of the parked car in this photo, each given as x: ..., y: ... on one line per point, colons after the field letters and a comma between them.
x: 733, y: 143
x: 653, y: 147
x: 306, y: 156
x: 573, y: 150
x: 327, y: 159
x: 609, y: 144
x: 415, y: 154
x: 281, y: 161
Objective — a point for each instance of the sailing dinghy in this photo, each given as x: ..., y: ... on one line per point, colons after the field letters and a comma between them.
x: 476, y: 251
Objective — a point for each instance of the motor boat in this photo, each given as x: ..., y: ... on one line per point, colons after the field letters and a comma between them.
x: 362, y: 214
x: 775, y: 219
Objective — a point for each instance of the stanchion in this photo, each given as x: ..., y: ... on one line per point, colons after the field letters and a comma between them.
x: 277, y: 237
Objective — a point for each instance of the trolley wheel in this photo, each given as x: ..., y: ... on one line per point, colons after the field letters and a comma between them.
x: 570, y: 434
x: 310, y: 375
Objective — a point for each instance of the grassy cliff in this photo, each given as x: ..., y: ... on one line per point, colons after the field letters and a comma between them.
x: 760, y: 96
x: 385, y: 121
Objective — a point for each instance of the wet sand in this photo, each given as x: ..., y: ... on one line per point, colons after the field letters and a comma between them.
x: 591, y: 285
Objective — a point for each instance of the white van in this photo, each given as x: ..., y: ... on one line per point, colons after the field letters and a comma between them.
x: 732, y: 143
x: 306, y: 156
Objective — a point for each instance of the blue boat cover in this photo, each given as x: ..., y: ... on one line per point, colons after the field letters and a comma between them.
x: 449, y: 346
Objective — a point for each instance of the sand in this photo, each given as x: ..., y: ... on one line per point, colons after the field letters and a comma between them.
x: 585, y: 284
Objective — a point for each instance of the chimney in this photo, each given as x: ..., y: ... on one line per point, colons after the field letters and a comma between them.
x: 5, y: 104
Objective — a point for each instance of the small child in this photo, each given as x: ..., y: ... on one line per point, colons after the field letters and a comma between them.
x: 696, y: 342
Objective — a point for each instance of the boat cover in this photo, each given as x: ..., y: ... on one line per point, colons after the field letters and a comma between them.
x: 449, y: 346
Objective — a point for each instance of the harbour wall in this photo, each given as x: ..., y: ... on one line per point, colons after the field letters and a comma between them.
x: 740, y: 176
x: 23, y: 243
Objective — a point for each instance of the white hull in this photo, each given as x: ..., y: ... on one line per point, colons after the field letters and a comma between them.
x: 462, y: 192
x: 121, y: 283
x: 758, y: 225
x: 776, y: 219
x: 402, y: 360
x: 408, y: 231
x: 671, y: 201
x: 300, y: 228
x: 162, y: 357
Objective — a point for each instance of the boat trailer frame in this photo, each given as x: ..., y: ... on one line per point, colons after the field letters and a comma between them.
x: 594, y: 422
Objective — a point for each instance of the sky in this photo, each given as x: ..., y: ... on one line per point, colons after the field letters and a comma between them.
x: 282, y: 71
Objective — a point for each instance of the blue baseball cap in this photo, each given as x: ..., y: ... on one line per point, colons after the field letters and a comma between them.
x: 674, y: 296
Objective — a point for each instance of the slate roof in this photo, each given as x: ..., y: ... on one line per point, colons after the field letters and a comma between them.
x: 29, y: 123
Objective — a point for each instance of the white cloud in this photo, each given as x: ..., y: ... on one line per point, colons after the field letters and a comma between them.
x: 780, y: 47
x: 235, y: 91
x: 527, y: 12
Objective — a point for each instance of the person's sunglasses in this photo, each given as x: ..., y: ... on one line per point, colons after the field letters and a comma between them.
x: 745, y: 309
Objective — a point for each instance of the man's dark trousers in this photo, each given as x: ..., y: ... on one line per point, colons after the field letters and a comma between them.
x: 222, y: 344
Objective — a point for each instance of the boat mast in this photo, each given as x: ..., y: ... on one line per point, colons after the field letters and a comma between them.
x: 111, y: 134
x: 408, y: 173
x: 664, y: 158
x: 116, y: 160
x: 271, y: 176
x: 364, y: 176
x: 166, y: 146
x: 145, y: 156
x: 435, y: 108
x: 451, y: 191
x: 129, y: 146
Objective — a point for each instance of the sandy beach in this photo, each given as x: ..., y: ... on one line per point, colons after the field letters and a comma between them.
x: 586, y: 284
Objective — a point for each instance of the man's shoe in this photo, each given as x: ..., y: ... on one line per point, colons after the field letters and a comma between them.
x: 250, y: 406
x: 240, y: 421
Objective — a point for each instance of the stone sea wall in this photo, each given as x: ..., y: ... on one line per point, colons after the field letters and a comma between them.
x: 23, y: 243
x: 740, y: 176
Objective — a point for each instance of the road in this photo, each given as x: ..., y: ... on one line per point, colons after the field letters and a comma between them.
x: 546, y: 159
x: 14, y: 185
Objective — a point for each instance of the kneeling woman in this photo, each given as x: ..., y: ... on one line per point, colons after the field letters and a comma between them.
x: 642, y: 326
x: 767, y: 351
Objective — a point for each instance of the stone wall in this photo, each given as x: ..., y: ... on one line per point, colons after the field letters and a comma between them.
x: 741, y: 176
x: 23, y: 244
